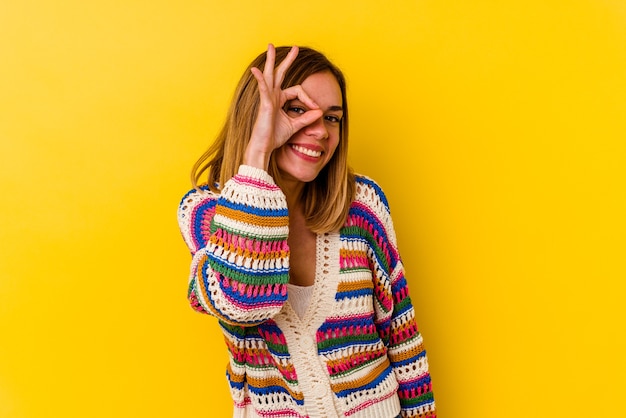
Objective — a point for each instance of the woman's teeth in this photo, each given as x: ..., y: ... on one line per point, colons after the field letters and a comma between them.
x: 307, y: 151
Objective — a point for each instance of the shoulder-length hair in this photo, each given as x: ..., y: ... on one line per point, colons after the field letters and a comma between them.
x: 327, y: 199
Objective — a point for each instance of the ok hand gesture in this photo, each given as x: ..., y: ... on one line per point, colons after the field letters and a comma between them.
x: 273, y: 127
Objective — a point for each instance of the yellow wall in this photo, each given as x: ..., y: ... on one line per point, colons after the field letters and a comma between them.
x: 497, y: 129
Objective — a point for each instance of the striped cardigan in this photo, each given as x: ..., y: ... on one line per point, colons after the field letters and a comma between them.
x: 357, y: 351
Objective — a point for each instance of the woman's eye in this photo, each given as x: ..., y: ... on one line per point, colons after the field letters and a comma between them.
x: 296, y: 109
x: 332, y: 118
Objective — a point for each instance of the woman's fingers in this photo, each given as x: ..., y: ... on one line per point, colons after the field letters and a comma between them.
x: 305, y: 119
x: 273, y: 125
x: 268, y: 70
x: 264, y: 94
x: 297, y: 92
x: 271, y: 79
x: 260, y: 79
x: 284, y: 65
x: 308, y: 117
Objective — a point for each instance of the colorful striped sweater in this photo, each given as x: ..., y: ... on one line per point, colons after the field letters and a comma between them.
x: 357, y: 351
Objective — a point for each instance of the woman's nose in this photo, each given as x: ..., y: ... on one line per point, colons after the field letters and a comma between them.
x: 317, y: 129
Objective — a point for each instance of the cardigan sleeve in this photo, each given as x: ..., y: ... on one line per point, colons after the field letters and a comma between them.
x: 395, y: 316
x: 238, y: 241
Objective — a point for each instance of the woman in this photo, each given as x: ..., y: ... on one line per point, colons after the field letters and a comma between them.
x: 296, y: 256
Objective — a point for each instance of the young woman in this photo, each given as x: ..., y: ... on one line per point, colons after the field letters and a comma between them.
x: 297, y: 258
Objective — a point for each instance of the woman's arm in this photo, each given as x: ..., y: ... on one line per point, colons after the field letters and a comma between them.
x: 238, y: 240
x: 395, y: 316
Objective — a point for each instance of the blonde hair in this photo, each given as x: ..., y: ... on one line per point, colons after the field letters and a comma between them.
x: 327, y: 199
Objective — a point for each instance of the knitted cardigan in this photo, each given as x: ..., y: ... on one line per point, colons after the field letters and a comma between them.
x: 358, y: 339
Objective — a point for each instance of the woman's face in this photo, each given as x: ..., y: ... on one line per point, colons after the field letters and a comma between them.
x: 306, y: 153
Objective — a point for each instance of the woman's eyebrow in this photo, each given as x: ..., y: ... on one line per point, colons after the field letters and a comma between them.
x: 333, y: 108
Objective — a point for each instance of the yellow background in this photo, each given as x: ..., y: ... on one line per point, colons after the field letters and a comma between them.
x: 497, y: 129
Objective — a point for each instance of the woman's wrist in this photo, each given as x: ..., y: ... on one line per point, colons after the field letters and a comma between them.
x: 255, y: 158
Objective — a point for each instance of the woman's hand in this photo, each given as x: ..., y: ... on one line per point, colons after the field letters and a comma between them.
x: 273, y: 127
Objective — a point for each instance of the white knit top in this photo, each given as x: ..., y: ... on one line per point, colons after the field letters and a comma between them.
x: 299, y: 298
x: 300, y: 323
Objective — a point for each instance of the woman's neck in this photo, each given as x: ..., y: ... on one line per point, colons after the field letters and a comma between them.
x: 293, y: 192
